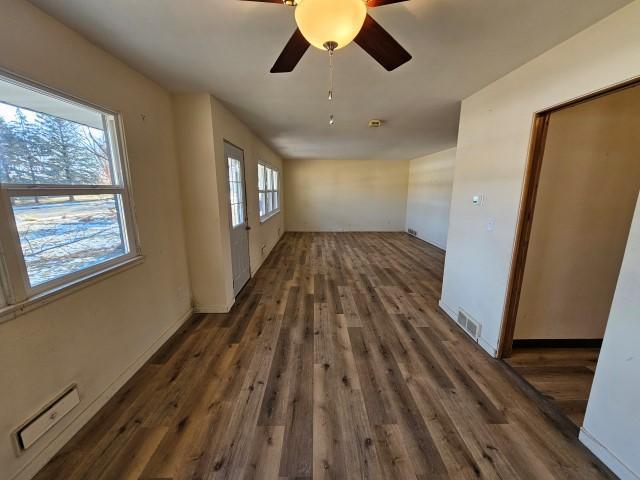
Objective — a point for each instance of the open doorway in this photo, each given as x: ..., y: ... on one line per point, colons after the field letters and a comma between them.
x: 580, y: 195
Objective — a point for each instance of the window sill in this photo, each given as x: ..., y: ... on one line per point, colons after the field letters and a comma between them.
x: 11, y: 312
x: 269, y: 217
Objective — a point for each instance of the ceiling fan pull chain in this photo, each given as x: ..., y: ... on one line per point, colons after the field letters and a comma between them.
x: 330, y: 47
x: 331, y: 120
x: 330, y: 75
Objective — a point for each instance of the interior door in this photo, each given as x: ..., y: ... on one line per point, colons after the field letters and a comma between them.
x: 238, y: 225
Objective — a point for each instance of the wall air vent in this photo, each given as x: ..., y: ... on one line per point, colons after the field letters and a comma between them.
x: 412, y: 232
x: 39, y: 424
x: 471, y: 326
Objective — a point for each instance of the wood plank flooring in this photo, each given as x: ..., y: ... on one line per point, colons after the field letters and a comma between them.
x: 335, y: 362
x: 562, y: 375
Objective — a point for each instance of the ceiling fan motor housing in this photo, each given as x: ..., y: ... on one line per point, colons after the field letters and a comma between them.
x: 330, y: 45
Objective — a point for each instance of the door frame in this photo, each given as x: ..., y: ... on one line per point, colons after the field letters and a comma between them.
x: 246, y: 210
x: 527, y: 209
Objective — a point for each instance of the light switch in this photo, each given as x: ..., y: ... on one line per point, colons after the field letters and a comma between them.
x: 477, y: 200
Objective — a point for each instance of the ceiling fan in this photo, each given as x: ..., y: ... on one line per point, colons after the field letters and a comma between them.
x: 333, y: 24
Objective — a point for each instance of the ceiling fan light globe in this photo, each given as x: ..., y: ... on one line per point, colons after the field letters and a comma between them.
x: 322, y: 21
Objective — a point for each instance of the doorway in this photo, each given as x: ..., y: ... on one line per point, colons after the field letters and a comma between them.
x: 238, y: 220
x: 580, y: 195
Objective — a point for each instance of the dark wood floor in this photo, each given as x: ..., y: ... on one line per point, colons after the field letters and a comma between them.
x: 334, y: 363
x: 563, y: 375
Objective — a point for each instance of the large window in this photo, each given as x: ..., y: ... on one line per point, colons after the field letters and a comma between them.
x: 268, y: 191
x: 63, y: 191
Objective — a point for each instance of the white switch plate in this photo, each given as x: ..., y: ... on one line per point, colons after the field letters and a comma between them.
x: 477, y: 200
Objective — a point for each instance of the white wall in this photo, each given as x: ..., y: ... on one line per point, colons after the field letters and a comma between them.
x: 612, y: 423
x: 202, y: 126
x: 429, y: 196
x: 495, y: 128
x: 345, y: 195
x: 100, y: 335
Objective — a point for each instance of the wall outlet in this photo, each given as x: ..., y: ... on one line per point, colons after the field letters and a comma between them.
x: 491, y: 224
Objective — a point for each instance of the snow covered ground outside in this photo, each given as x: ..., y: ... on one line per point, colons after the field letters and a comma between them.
x: 60, y: 236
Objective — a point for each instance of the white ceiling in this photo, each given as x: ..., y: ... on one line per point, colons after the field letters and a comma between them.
x: 227, y: 47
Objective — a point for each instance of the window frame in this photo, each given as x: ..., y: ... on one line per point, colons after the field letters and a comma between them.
x: 16, y: 287
x: 272, y: 212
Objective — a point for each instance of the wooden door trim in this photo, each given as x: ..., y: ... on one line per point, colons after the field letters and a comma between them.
x: 527, y: 207
x: 523, y: 232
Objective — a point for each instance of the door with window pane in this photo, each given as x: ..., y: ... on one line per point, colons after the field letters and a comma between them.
x: 238, y: 226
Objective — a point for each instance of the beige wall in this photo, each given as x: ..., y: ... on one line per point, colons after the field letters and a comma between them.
x: 198, y: 175
x: 586, y: 197
x: 262, y: 236
x: 612, y: 424
x: 429, y: 196
x: 493, y: 140
x: 345, y: 195
x: 98, y: 336
x: 202, y: 126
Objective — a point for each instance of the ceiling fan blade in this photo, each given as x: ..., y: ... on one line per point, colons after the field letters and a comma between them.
x: 291, y: 54
x: 378, y: 43
x: 380, y: 3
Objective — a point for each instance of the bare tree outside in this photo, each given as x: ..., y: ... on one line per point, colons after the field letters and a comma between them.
x: 59, y: 234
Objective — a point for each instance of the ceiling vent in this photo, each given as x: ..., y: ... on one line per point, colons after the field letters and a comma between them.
x: 471, y: 326
x: 375, y: 123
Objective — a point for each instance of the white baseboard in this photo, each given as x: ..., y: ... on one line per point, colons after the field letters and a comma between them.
x: 47, y: 452
x: 213, y: 308
x: 310, y: 229
x: 254, y: 270
x: 448, y: 310
x: 432, y: 242
x: 487, y: 347
x: 606, y: 456
x: 483, y: 342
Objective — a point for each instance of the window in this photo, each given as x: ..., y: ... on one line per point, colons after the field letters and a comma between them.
x: 268, y: 191
x: 236, y: 193
x: 63, y: 191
